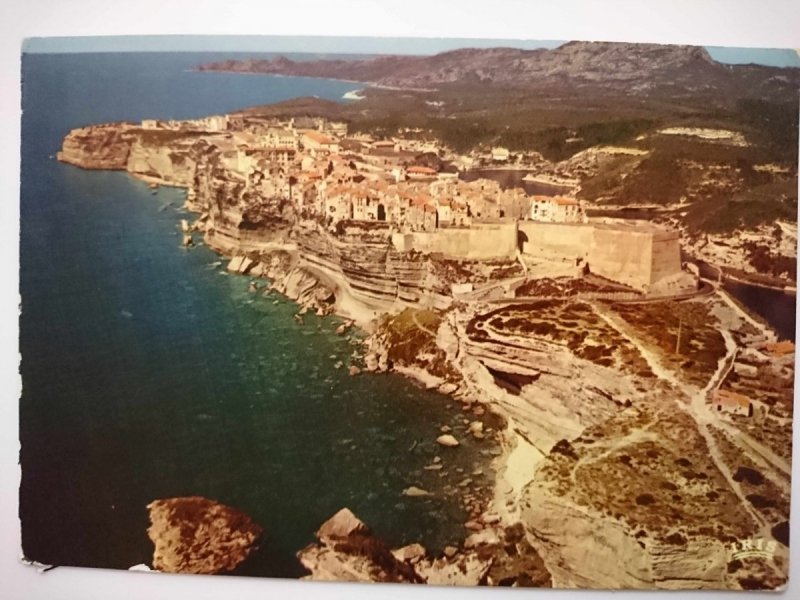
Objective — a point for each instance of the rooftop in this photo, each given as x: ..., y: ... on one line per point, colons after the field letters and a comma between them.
x: 317, y: 136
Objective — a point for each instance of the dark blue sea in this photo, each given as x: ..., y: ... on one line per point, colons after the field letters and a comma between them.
x: 148, y: 372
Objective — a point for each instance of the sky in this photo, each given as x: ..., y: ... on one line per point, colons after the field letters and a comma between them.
x: 346, y: 45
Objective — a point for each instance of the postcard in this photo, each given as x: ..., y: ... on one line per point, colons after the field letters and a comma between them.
x: 490, y: 314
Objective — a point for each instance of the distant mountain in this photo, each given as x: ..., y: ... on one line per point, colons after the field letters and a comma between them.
x: 638, y: 69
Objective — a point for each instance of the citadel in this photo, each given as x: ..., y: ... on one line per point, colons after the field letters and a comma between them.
x: 351, y: 199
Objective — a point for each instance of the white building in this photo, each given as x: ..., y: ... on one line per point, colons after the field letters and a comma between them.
x: 500, y: 154
x: 556, y: 210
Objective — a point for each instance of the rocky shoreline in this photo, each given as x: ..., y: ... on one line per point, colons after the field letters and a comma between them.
x: 607, y: 439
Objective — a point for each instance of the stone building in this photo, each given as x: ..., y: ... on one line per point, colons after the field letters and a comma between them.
x: 732, y: 403
x: 556, y: 210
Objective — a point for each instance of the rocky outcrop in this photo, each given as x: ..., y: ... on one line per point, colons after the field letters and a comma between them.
x: 347, y: 551
x: 582, y: 548
x: 197, y: 535
x: 98, y: 146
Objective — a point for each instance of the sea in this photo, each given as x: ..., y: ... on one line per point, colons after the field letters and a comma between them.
x: 150, y: 372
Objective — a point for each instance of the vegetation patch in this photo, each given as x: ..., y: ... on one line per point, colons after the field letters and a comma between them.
x: 684, y: 334
x: 410, y: 338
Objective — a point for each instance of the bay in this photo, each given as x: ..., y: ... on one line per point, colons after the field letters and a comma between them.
x: 149, y: 372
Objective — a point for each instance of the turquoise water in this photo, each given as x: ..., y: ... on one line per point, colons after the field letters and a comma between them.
x: 149, y: 372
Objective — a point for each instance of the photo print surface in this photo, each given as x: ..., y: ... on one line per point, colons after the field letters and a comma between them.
x: 506, y: 314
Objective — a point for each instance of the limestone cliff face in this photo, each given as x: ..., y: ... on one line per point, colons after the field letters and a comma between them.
x: 584, y: 548
x: 99, y: 146
x: 636, y: 501
x: 167, y: 165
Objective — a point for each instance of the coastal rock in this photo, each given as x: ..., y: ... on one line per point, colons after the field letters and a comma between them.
x: 411, y: 553
x: 447, y: 440
x: 476, y: 427
x: 415, y: 492
x: 447, y: 388
x: 341, y: 525
x: 460, y: 570
x: 490, y: 518
x: 247, y: 264
x: 514, y: 561
x: 371, y: 362
x: 235, y: 264
x: 197, y: 535
x: 347, y: 551
x: 354, y: 370
x: 482, y: 538
x: 241, y: 264
x: 383, y: 362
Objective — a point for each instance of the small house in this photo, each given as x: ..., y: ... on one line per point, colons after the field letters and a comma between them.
x: 732, y: 403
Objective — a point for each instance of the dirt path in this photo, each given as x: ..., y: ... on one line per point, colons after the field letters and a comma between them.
x: 640, y: 434
x: 697, y: 407
x: 422, y: 327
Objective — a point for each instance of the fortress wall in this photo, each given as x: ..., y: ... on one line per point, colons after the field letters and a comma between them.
x: 666, y: 255
x: 479, y: 242
x: 622, y: 255
x: 559, y: 240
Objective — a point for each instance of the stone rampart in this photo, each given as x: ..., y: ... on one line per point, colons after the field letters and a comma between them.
x: 482, y: 241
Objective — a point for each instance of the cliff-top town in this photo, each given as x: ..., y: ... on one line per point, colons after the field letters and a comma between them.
x: 643, y: 415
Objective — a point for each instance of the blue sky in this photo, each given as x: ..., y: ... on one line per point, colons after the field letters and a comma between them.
x: 345, y: 45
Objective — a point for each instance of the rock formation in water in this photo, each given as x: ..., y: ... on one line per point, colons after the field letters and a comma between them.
x: 196, y: 535
x: 346, y: 550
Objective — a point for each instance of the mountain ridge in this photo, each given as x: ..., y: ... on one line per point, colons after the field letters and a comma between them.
x: 639, y: 69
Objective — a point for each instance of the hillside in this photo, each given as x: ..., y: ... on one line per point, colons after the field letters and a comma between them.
x: 640, y: 69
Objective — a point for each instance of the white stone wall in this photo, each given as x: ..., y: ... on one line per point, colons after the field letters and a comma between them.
x: 555, y: 240
x: 638, y: 257
x: 480, y: 242
x: 623, y: 256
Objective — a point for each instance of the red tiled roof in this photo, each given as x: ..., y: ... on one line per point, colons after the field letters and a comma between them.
x: 779, y: 348
x: 421, y: 200
x: 317, y: 136
x: 565, y: 201
x: 421, y: 170
x: 729, y: 398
